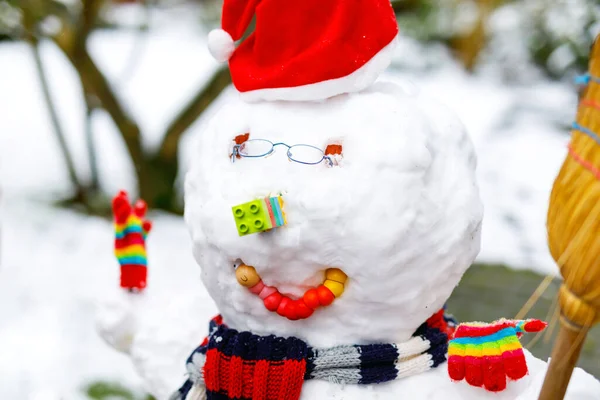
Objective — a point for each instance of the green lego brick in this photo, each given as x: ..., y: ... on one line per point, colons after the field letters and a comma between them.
x: 251, y: 217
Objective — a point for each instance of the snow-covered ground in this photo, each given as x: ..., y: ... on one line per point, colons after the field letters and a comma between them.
x: 55, y: 264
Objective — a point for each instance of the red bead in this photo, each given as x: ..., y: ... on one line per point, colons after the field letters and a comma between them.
x: 283, y: 305
x: 291, y: 311
x: 311, y: 298
x: 272, y: 301
x: 303, y: 310
x: 325, y: 296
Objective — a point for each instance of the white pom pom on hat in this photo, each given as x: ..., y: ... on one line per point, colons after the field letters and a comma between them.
x: 220, y: 45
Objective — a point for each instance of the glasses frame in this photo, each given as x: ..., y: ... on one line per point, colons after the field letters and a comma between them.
x: 237, y: 153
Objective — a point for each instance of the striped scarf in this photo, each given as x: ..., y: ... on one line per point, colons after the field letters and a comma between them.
x: 244, y: 366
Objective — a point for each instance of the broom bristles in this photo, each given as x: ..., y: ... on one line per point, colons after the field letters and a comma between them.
x: 574, y: 213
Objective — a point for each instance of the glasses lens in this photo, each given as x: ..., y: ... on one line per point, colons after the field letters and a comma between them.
x: 255, y: 148
x: 305, y: 154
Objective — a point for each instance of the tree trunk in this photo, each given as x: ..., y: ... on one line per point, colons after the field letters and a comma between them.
x: 156, y: 184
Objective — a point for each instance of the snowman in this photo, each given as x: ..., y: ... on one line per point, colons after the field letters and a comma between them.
x: 331, y: 216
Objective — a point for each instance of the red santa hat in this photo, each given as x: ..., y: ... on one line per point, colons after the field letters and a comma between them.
x: 305, y: 50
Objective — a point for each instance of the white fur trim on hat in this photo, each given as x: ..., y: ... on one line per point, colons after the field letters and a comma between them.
x: 220, y: 45
x: 359, y: 80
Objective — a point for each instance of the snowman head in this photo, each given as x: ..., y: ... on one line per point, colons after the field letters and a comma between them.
x: 397, y: 210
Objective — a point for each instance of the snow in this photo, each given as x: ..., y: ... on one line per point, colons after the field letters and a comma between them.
x: 407, y: 166
x: 48, y: 343
x: 42, y: 326
x: 520, y: 134
x: 434, y: 384
x: 49, y: 297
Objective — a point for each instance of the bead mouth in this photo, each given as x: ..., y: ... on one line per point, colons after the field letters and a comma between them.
x: 293, y: 309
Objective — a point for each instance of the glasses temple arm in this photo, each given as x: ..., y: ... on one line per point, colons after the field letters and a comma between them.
x: 235, y: 152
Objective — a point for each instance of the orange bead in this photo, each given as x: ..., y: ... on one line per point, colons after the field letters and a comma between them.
x: 272, y: 301
x: 311, y: 298
x: 325, y: 296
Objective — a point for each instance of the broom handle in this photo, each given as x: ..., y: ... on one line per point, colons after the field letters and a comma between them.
x: 564, y: 358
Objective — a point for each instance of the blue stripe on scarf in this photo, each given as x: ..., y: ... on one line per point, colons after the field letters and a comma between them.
x: 310, y: 363
x: 377, y: 363
x: 221, y: 396
x: 251, y: 347
x: 377, y: 374
x: 378, y: 353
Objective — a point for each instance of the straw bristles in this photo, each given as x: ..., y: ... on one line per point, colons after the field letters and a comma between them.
x: 574, y: 216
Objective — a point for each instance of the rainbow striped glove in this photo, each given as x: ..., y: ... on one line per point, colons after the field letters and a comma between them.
x: 130, y: 241
x: 485, y: 354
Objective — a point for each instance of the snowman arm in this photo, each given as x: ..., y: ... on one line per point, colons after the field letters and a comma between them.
x: 116, y: 317
x: 486, y: 354
x: 131, y: 230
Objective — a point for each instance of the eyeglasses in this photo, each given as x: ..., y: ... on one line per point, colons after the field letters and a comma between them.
x: 300, y: 153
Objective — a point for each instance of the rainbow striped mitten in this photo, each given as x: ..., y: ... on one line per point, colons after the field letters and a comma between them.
x: 485, y: 354
x: 130, y: 241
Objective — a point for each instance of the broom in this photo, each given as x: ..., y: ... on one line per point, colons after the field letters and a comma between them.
x: 574, y: 236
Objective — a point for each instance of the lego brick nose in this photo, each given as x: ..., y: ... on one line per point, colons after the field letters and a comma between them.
x: 259, y: 215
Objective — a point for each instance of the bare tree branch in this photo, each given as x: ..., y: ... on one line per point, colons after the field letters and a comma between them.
x: 30, y: 20
x: 58, y: 131
x: 93, y: 79
x: 89, y: 139
x: 94, y: 82
x: 401, y: 6
x: 155, y: 173
x: 84, y: 26
x: 170, y: 145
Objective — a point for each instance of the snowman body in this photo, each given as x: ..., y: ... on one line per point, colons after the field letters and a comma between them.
x: 373, y: 182
x: 399, y: 212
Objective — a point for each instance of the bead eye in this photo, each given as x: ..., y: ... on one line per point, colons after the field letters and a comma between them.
x: 333, y: 149
x: 237, y: 263
x: 239, y: 139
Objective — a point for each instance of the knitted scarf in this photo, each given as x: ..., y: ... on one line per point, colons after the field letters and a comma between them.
x: 243, y: 366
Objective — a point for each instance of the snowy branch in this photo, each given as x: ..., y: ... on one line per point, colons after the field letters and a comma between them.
x: 54, y: 118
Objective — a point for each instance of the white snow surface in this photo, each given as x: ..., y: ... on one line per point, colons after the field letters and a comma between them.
x: 434, y: 385
x: 48, y: 344
x: 51, y: 295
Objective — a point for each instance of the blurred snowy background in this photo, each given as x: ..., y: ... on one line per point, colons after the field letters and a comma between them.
x: 100, y: 95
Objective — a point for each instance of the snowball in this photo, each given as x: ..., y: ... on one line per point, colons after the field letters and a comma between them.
x: 400, y: 215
